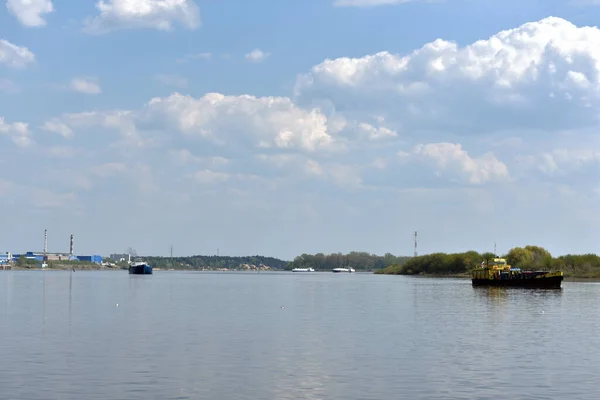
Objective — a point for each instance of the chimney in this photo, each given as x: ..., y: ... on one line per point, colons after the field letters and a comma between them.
x: 71, y: 246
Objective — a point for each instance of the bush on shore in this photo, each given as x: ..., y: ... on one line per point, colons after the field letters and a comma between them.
x: 527, y: 258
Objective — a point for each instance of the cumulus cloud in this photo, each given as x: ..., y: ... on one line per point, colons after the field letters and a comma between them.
x: 15, y: 56
x: 540, y: 75
x: 450, y: 158
x: 121, y: 121
x: 376, y: 132
x: 357, y: 114
x: 261, y: 122
x: 29, y: 12
x: 563, y: 162
x: 57, y: 126
x: 143, y: 14
x: 17, y: 131
x: 257, y: 55
x: 85, y: 85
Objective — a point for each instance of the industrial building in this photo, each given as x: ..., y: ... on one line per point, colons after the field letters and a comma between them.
x: 45, y: 256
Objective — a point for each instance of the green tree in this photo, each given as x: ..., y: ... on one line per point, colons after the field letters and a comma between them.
x: 488, y: 256
x: 519, y: 257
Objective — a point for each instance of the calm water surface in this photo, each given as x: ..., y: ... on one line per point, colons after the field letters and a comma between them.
x: 176, y: 335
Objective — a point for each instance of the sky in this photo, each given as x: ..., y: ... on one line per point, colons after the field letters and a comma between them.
x: 286, y: 127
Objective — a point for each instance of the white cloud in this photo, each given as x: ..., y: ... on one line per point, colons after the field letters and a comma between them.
x: 85, y: 85
x: 451, y: 158
x: 242, y: 120
x: 59, y: 127
x: 29, y: 12
x: 563, y: 161
x: 257, y: 55
x: 172, y: 80
x: 143, y: 14
x: 17, y: 131
x: 540, y: 75
x: 15, y: 56
x: 232, y: 122
x: 376, y: 133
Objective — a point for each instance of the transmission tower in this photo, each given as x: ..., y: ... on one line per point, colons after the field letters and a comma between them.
x: 415, y: 236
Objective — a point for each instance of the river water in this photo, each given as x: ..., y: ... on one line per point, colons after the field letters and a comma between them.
x: 202, y: 335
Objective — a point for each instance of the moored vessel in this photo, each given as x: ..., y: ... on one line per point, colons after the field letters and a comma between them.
x: 140, y: 267
x: 346, y: 269
x: 309, y: 269
x: 497, y: 272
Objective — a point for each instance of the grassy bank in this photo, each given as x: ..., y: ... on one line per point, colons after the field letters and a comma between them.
x: 583, y: 266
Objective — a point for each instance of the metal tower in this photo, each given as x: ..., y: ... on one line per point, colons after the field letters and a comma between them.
x: 415, y: 236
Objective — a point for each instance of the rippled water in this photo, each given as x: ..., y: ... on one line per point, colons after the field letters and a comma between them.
x: 175, y: 335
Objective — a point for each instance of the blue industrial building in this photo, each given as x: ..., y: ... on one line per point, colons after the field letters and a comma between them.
x: 95, y: 258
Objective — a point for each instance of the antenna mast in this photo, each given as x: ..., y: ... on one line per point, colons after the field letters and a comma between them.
x: 171, y: 251
x: 45, y: 241
x: 415, y: 235
x: 495, y: 254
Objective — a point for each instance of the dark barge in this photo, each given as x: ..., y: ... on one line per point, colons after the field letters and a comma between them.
x: 499, y: 273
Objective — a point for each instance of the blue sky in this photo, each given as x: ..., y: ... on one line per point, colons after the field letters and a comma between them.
x: 280, y: 127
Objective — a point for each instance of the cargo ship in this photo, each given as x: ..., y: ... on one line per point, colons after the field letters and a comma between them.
x: 139, y: 267
x: 497, y: 272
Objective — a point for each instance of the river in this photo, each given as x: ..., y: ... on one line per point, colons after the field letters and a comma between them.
x: 208, y: 335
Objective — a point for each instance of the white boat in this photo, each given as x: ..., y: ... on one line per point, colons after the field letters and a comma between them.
x: 347, y: 269
x: 303, y: 270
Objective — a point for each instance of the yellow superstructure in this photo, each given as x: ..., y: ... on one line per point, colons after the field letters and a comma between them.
x: 492, y: 269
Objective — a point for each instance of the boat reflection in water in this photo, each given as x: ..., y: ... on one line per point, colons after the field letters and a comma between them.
x: 498, y: 273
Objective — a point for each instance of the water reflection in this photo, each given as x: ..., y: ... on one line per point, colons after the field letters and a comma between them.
x: 44, y: 298
x: 70, y: 294
x: 225, y: 336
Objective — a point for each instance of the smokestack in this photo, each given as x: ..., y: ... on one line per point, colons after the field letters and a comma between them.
x: 71, y: 246
x: 45, y: 241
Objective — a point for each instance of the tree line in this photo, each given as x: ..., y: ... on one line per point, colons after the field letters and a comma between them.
x: 527, y: 258
x: 213, y: 262
x: 355, y: 259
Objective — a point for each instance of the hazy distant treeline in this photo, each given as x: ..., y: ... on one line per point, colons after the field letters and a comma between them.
x: 213, y: 262
x: 528, y: 257
x: 357, y: 260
